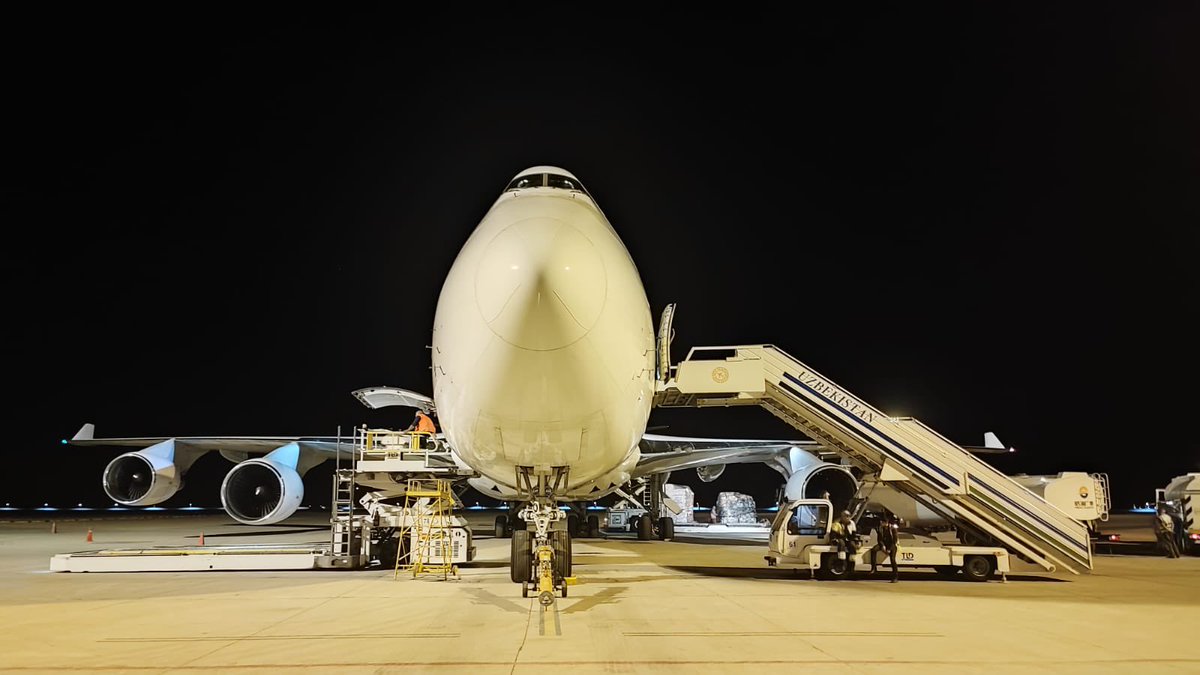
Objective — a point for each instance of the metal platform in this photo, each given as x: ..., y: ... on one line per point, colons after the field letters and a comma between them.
x: 194, y: 559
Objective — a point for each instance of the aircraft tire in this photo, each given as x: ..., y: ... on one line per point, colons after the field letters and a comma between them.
x: 593, y: 526
x: 521, y: 565
x: 666, y: 528
x: 645, y: 528
x: 502, y: 530
x: 561, y: 541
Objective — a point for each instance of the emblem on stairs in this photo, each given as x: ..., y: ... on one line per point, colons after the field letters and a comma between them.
x: 720, y: 375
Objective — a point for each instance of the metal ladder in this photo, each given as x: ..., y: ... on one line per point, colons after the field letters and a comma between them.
x: 1104, y: 499
x: 342, y: 518
x: 429, y: 513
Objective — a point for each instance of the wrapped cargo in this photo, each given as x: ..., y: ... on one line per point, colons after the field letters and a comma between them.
x: 735, y: 508
x: 685, y: 498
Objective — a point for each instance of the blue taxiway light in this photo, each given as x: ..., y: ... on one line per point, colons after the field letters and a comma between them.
x: 64, y: 441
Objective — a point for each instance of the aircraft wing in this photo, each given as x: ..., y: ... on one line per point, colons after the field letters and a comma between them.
x: 324, y: 445
x: 661, y: 454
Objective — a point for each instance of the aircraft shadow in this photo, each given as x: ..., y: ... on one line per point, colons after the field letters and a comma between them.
x: 798, y: 573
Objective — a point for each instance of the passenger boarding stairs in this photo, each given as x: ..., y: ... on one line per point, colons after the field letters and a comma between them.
x: 903, y: 452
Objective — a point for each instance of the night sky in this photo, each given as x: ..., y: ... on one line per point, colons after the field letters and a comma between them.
x: 983, y: 218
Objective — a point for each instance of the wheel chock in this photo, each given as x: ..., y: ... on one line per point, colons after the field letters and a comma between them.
x: 571, y: 581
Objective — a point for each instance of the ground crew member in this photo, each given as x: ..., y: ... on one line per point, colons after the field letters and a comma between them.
x: 842, y: 534
x: 886, y: 536
x: 422, y: 424
x: 1164, y: 529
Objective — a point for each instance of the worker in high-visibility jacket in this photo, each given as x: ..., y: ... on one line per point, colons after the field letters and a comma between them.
x: 844, y: 536
x: 422, y: 424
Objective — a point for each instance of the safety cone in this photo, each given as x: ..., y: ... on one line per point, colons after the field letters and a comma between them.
x: 89, y: 537
x: 201, y: 539
x: 53, y: 527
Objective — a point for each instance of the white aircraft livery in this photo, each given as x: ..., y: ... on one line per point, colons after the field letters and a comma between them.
x: 543, y: 349
x: 544, y: 368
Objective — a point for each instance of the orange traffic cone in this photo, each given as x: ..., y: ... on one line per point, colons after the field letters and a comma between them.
x: 201, y: 539
x: 89, y: 538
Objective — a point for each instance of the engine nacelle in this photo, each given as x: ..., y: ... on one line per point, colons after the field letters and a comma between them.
x: 138, y: 479
x: 708, y: 474
x: 147, y: 476
x: 261, y: 491
x: 812, y: 479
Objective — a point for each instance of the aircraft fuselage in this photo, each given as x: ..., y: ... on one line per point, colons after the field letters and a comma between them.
x: 543, y: 348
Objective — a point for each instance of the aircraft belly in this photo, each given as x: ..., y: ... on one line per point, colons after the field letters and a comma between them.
x: 549, y: 409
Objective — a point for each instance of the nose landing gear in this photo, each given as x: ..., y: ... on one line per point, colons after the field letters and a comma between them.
x: 541, y: 554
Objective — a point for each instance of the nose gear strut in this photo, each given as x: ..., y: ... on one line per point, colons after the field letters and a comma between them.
x: 550, y: 562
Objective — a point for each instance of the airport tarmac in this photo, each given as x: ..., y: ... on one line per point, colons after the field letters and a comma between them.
x: 699, y: 604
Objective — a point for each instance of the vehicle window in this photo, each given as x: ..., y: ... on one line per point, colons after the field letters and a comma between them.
x: 808, y: 520
x: 530, y: 181
x: 563, y: 183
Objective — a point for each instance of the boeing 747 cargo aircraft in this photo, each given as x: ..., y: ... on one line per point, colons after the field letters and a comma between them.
x: 544, y: 367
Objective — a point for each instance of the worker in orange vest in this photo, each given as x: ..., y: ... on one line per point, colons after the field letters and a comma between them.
x: 422, y: 424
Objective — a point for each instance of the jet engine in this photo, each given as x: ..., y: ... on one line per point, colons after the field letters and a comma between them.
x: 812, y: 477
x: 708, y: 474
x: 147, y: 476
x: 265, y: 490
x: 138, y: 479
x: 261, y: 491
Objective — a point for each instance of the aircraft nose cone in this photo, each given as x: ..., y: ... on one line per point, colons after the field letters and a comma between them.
x: 540, y: 284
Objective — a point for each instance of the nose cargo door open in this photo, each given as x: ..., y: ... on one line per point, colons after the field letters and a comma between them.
x: 662, y: 365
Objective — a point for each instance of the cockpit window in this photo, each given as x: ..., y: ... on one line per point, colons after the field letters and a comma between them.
x: 528, y: 181
x: 563, y: 183
x: 536, y: 180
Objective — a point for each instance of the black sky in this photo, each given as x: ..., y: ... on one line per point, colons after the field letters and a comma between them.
x: 984, y: 218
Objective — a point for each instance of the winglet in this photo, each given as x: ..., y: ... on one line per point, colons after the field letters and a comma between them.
x: 86, y: 432
x: 990, y: 440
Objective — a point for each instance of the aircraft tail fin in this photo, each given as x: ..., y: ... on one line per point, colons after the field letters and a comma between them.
x: 990, y: 440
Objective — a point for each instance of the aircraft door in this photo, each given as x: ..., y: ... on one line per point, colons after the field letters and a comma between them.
x: 666, y: 333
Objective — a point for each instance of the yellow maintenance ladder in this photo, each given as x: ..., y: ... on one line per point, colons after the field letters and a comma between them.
x: 426, y: 539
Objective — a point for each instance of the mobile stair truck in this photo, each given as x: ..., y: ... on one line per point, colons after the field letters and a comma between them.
x: 800, y: 537
x: 908, y: 455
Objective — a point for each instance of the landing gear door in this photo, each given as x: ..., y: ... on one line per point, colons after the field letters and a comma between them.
x: 662, y: 370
